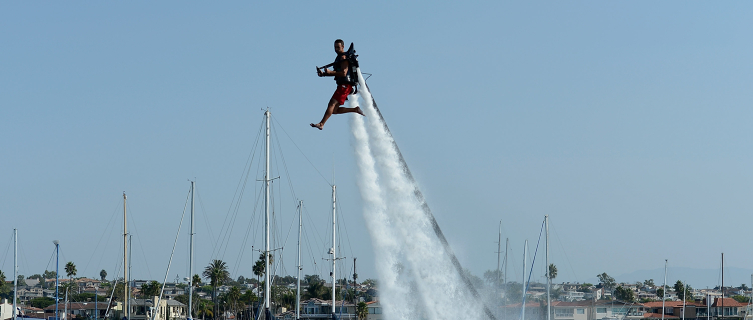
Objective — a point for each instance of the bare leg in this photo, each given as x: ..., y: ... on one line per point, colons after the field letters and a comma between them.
x: 331, y: 107
x: 335, y: 108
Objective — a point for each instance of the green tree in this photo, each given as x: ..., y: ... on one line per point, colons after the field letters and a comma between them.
x: 552, y: 271
x: 744, y: 287
x: 315, y: 290
x: 234, y: 300
x: 49, y: 274
x: 196, y: 281
x: 683, y: 292
x: 624, y: 294
x: 103, y: 274
x: 70, y: 269
x: 41, y: 302
x: 21, y: 280
x: 660, y: 293
x: 217, y: 274
x: 741, y: 299
x: 369, y: 283
x: 362, y: 310
x: 311, y: 278
x: 150, y: 289
x: 649, y: 283
x: 606, y: 281
x: 4, y: 287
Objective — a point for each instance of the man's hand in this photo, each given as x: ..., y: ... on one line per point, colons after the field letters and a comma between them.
x: 319, y: 72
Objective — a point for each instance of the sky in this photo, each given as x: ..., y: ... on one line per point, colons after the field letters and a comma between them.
x: 625, y: 122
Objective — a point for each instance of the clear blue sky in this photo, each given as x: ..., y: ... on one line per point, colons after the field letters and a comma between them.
x: 627, y: 122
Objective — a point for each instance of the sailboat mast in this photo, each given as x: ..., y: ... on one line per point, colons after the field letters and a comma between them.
x: 127, y: 311
x: 15, y: 272
x: 664, y: 290
x: 190, y: 258
x: 499, y: 252
x: 298, y: 280
x: 525, y: 287
x: 266, y: 223
x: 57, y: 278
x: 722, y: 285
x: 334, y: 255
x: 548, y: 274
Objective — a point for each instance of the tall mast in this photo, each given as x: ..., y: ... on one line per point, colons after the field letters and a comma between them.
x: 684, y: 298
x: 298, y: 280
x: 190, y: 258
x: 507, y: 249
x: 57, y: 286
x: 548, y: 275
x: 125, y: 259
x: 130, y: 262
x: 664, y: 290
x: 722, y: 285
x: 525, y: 258
x: 499, y: 252
x: 15, y: 272
x: 267, y: 180
x: 334, y: 246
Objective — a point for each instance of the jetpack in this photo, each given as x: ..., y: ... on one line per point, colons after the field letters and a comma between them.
x: 351, y: 77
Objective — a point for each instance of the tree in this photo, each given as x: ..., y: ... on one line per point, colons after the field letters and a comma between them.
x: 234, y: 300
x: 660, y: 293
x: 4, y: 287
x: 70, y: 269
x: 552, y: 271
x: 21, y: 280
x: 606, y: 281
x: 362, y: 310
x: 624, y: 294
x: 311, y: 278
x: 744, y: 287
x: 217, y: 274
x: 103, y: 274
x: 315, y: 290
x: 649, y: 283
x: 49, y: 274
x: 196, y: 281
x: 369, y: 283
x: 150, y: 289
x: 683, y: 291
x: 41, y: 302
x: 741, y: 299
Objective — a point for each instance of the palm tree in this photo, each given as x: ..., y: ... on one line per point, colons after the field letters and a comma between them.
x: 217, y: 274
x: 203, y: 309
x: 233, y: 300
x: 362, y: 310
x: 70, y: 270
x: 552, y: 271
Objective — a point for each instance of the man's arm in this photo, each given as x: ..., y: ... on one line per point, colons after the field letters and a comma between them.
x: 342, y: 73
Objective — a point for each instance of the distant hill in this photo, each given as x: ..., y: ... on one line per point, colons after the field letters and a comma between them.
x: 696, y: 278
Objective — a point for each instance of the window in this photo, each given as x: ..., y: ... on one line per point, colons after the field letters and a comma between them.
x: 563, y: 312
x: 619, y: 311
x: 601, y: 310
x: 580, y: 311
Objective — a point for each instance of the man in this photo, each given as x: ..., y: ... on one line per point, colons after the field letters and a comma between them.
x: 344, y: 88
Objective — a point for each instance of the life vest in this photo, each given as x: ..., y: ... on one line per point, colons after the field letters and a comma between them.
x: 351, y: 77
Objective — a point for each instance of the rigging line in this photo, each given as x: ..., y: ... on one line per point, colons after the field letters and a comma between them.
x: 525, y: 285
x: 225, y: 237
x: 175, y: 243
x: 563, y: 251
x: 112, y: 216
x: 321, y: 242
x: 345, y: 226
x: 206, y: 221
x: 245, y: 239
x: 304, y: 155
x: 49, y: 261
x: 285, y: 166
x: 5, y: 256
x: 141, y: 244
x: 107, y: 242
x: 241, y: 182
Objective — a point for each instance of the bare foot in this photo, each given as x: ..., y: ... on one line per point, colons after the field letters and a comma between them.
x: 318, y: 125
x: 358, y: 109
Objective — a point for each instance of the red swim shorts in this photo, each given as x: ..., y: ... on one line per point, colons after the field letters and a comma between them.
x: 342, y: 92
